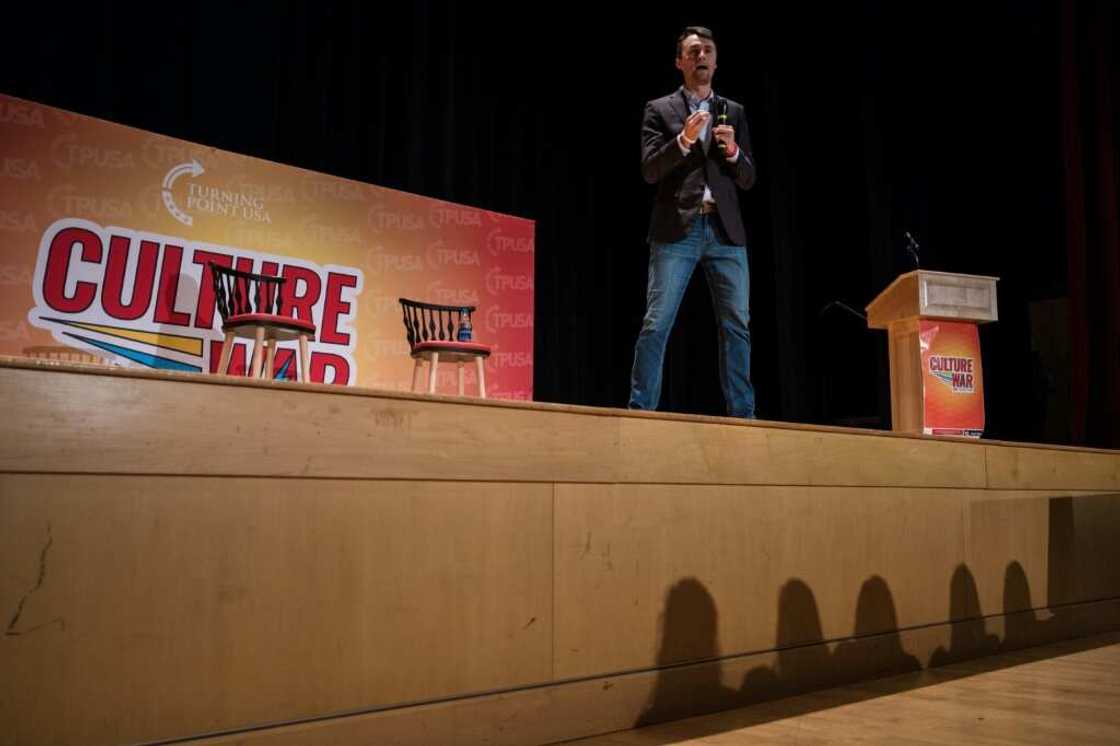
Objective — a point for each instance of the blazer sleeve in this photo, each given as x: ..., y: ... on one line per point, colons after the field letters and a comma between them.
x: 660, y: 151
x: 744, y: 168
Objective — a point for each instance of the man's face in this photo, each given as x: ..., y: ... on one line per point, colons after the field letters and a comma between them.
x: 697, y: 61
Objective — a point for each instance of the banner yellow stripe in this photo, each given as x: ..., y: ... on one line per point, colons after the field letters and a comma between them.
x: 189, y: 345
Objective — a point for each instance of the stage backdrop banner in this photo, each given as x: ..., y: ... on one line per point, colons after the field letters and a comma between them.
x: 106, y: 234
x: 952, y: 379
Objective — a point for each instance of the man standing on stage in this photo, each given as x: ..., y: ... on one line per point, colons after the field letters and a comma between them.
x: 696, y: 149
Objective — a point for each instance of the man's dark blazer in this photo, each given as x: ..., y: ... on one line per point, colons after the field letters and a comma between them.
x: 680, y: 179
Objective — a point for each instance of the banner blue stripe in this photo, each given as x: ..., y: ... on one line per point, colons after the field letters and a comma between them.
x: 144, y: 358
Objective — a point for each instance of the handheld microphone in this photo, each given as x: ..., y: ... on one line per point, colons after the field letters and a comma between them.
x: 721, y: 119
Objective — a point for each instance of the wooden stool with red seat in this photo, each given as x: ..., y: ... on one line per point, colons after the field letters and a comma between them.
x: 443, y: 333
x: 250, y: 306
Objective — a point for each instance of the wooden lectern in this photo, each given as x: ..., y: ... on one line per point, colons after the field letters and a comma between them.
x: 930, y: 384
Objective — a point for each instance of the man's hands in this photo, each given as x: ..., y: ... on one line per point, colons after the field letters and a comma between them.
x: 693, y: 125
x: 725, y: 134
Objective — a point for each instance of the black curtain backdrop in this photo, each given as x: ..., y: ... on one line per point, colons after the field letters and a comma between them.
x: 985, y: 129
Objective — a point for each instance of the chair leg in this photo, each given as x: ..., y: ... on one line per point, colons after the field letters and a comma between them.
x: 416, y: 372
x: 270, y: 362
x: 255, y: 371
x: 432, y: 373
x: 227, y: 353
x: 462, y: 390
x: 304, y: 361
x: 481, y: 377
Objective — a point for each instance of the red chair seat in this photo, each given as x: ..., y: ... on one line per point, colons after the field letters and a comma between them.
x: 284, y: 327
x: 442, y: 346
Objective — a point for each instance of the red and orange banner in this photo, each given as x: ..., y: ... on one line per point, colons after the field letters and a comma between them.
x: 952, y: 378
x: 106, y: 234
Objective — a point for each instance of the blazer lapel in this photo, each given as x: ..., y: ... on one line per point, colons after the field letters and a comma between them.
x: 679, y: 106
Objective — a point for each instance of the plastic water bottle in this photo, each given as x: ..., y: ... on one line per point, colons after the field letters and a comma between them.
x: 464, y: 334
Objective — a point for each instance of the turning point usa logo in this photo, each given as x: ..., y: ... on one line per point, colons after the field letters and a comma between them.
x: 144, y: 299
x: 955, y: 372
x: 247, y: 206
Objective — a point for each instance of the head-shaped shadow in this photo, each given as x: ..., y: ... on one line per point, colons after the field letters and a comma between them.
x: 1022, y: 627
x: 689, y: 624
x: 877, y: 649
x: 689, y: 676
x: 968, y: 636
x: 803, y: 661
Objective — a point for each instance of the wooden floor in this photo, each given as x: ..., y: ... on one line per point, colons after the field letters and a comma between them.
x: 1063, y: 693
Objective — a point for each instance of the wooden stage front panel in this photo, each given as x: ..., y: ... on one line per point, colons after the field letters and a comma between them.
x: 186, y: 555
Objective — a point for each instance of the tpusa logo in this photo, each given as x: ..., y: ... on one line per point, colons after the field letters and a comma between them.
x: 497, y: 319
x: 194, y: 168
x: 21, y: 114
x: 954, y: 372
x: 377, y: 350
x: 443, y: 214
x: 67, y: 151
x: 498, y: 243
x: 149, y: 300
x: 381, y: 306
x: 381, y: 262
x: 65, y: 199
x: 440, y: 255
x: 320, y: 188
x: 381, y: 218
x: 456, y: 296
x: 17, y: 221
x: 230, y: 203
x: 20, y: 169
x: 328, y: 233
x: 511, y: 359
x: 498, y: 283
x: 158, y: 152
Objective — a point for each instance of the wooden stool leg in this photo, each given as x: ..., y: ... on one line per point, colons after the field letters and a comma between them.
x: 462, y: 390
x: 255, y: 371
x: 270, y: 363
x: 416, y: 372
x: 481, y: 377
x: 304, y: 361
x: 432, y: 373
x: 227, y: 353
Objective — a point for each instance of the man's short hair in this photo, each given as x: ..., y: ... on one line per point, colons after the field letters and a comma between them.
x: 702, y: 31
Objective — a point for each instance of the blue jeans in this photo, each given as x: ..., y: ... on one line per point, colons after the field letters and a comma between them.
x: 670, y: 269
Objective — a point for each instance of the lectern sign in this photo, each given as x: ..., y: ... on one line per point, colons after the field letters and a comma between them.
x: 952, y: 382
